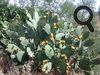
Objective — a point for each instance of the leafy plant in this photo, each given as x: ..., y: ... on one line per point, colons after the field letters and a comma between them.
x: 41, y: 36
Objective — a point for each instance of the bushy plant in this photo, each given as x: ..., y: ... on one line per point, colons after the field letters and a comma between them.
x: 45, y: 38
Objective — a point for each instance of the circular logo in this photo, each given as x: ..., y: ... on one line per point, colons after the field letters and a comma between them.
x: 87, y: 22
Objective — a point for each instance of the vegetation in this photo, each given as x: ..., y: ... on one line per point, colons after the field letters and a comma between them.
x: 40, y: 42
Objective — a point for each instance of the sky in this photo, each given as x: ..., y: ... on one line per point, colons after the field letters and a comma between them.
x: 96, y: 5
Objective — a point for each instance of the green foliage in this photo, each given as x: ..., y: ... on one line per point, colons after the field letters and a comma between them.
x: 53, y: 43
x: 68, y: 7
x: 79, y: 30
x: 88, y: 42
x: 85, y: 35
x: 84, y: 64
x: 12, y: 47
x: 20, y: 55
x: 24, y: 41
x: 49, y: 51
